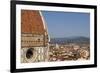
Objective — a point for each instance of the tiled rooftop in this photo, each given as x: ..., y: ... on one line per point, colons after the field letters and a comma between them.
x: 31, y: 22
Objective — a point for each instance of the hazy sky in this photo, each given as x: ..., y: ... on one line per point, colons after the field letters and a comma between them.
x: 67, y: 24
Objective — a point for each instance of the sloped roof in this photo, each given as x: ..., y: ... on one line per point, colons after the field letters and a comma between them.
x: 32, y: 22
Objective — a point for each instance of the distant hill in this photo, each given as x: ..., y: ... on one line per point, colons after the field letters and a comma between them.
x: 78, y: 39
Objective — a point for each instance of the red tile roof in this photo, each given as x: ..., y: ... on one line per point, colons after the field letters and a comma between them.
x: 31, y: 22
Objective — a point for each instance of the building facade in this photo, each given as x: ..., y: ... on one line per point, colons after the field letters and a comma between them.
x: 34, y: 37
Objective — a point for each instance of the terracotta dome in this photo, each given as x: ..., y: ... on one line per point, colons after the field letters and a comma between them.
x: 32, y: 22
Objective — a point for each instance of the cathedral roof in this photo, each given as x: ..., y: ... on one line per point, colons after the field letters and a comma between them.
x: 32, y: 22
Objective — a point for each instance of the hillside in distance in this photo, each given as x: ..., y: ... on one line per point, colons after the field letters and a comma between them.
x: 78, y: 40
